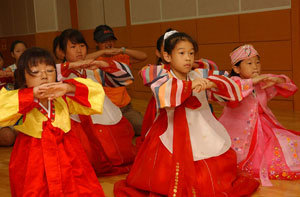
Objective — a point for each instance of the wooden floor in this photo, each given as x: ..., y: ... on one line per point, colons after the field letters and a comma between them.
x: 280, y: 188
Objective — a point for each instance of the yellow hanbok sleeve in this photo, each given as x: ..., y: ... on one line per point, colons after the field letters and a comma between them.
x: 88, y: 98
x: 13, y: 104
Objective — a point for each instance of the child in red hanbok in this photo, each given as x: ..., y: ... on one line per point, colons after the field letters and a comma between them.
x: 107, y: 137
x: 187, y: 151
x: 151, y: 109
x: 264, y: 147
x: 47, y: 158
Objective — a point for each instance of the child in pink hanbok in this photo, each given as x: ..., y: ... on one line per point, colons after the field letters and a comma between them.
x: 264, y: 147
x: 186, y: 151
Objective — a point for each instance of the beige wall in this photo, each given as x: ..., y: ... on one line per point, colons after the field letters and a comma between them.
x: 96, y: 12
x: 145, y: 11
x: 63, y: 14
x: 17, y: 17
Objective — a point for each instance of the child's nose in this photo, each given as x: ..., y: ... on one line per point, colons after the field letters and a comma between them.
x: 78, y: 49
x: 44, y: 74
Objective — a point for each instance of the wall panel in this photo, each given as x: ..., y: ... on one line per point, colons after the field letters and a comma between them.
x: 218, y: 29
x: 187, y: 26
x: 45, y: 15
x: 273, y: 25
x: 144, y: 35
x: 172, y: 9
x: 90, y: 14
x: 115, y: 14
x: 145, y: 10
x: 259, y: 4
x: 210, y: 7
x: 63, y: 14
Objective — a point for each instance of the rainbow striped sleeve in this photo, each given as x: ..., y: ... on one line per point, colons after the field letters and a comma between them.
x: 227, y: 89
x: 168, y: 91
x: 116, y: 75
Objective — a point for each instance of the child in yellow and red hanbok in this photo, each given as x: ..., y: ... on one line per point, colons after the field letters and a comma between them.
x: 264, y: 147
x: 187, y: 151
x: 47, y: 158
x: 107, y: 137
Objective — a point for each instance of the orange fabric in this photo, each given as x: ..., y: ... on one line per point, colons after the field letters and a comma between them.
x: 118, y: 95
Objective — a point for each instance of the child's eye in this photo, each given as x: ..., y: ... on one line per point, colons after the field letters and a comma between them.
x: 82, y: 45
x: 192, y: 53
x: 35, y: 73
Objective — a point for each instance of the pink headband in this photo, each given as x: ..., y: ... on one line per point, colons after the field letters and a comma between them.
x: 242, y: 53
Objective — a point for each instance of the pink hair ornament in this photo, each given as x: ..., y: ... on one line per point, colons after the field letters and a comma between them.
x: 243, y: 52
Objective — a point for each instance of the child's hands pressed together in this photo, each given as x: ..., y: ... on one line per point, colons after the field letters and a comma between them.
x: 259, y: 78
x: 112, y: 51
x: 200, y: 84
x: 52, y: 90
x: 270, y: 81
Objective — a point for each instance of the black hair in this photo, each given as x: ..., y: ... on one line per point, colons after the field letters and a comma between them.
x: 73, y: 35
x: 31, y: 57
x: 159, y: 44
x: 173, y: 39
x: 55, y: 44
x: 1, y: 55
x: 233, y: 73
x: 14, y: 43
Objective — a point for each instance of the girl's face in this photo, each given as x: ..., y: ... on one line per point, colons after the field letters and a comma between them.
x: 18, y: 50
x: 248, y: 68
x: 106, y: 44
x: 75, y: 51
x: 40, y: 74
x: 181, y: 59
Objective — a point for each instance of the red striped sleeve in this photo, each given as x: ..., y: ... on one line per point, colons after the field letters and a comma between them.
x: 81, y: 93
x: 173, y: 92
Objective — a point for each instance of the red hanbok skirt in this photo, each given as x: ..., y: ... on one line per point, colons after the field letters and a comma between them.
x: 109, y: 147
x: 148, y: 120
x: 55, y: 165
x: 152, y: 174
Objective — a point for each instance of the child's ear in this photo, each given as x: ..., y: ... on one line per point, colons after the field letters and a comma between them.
x: 236, y: 69
x: 12, y: 54
x: 167, y: 57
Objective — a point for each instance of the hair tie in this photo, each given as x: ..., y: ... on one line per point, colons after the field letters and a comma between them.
x: 168, y: 34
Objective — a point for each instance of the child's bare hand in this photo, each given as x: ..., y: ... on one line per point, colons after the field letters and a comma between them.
x: 54, y: 90
x: 112, y: 51
x: 80, y: 64
x: 97, y: 64
x: 200, y: 84
x: 270, y: 81
x: 39, y: 92
x: 259, y: 78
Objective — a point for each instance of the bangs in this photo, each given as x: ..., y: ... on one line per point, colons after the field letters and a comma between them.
x: 36, y: 58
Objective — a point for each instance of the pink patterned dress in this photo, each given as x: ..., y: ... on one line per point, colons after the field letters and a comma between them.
x: 264, y: 147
